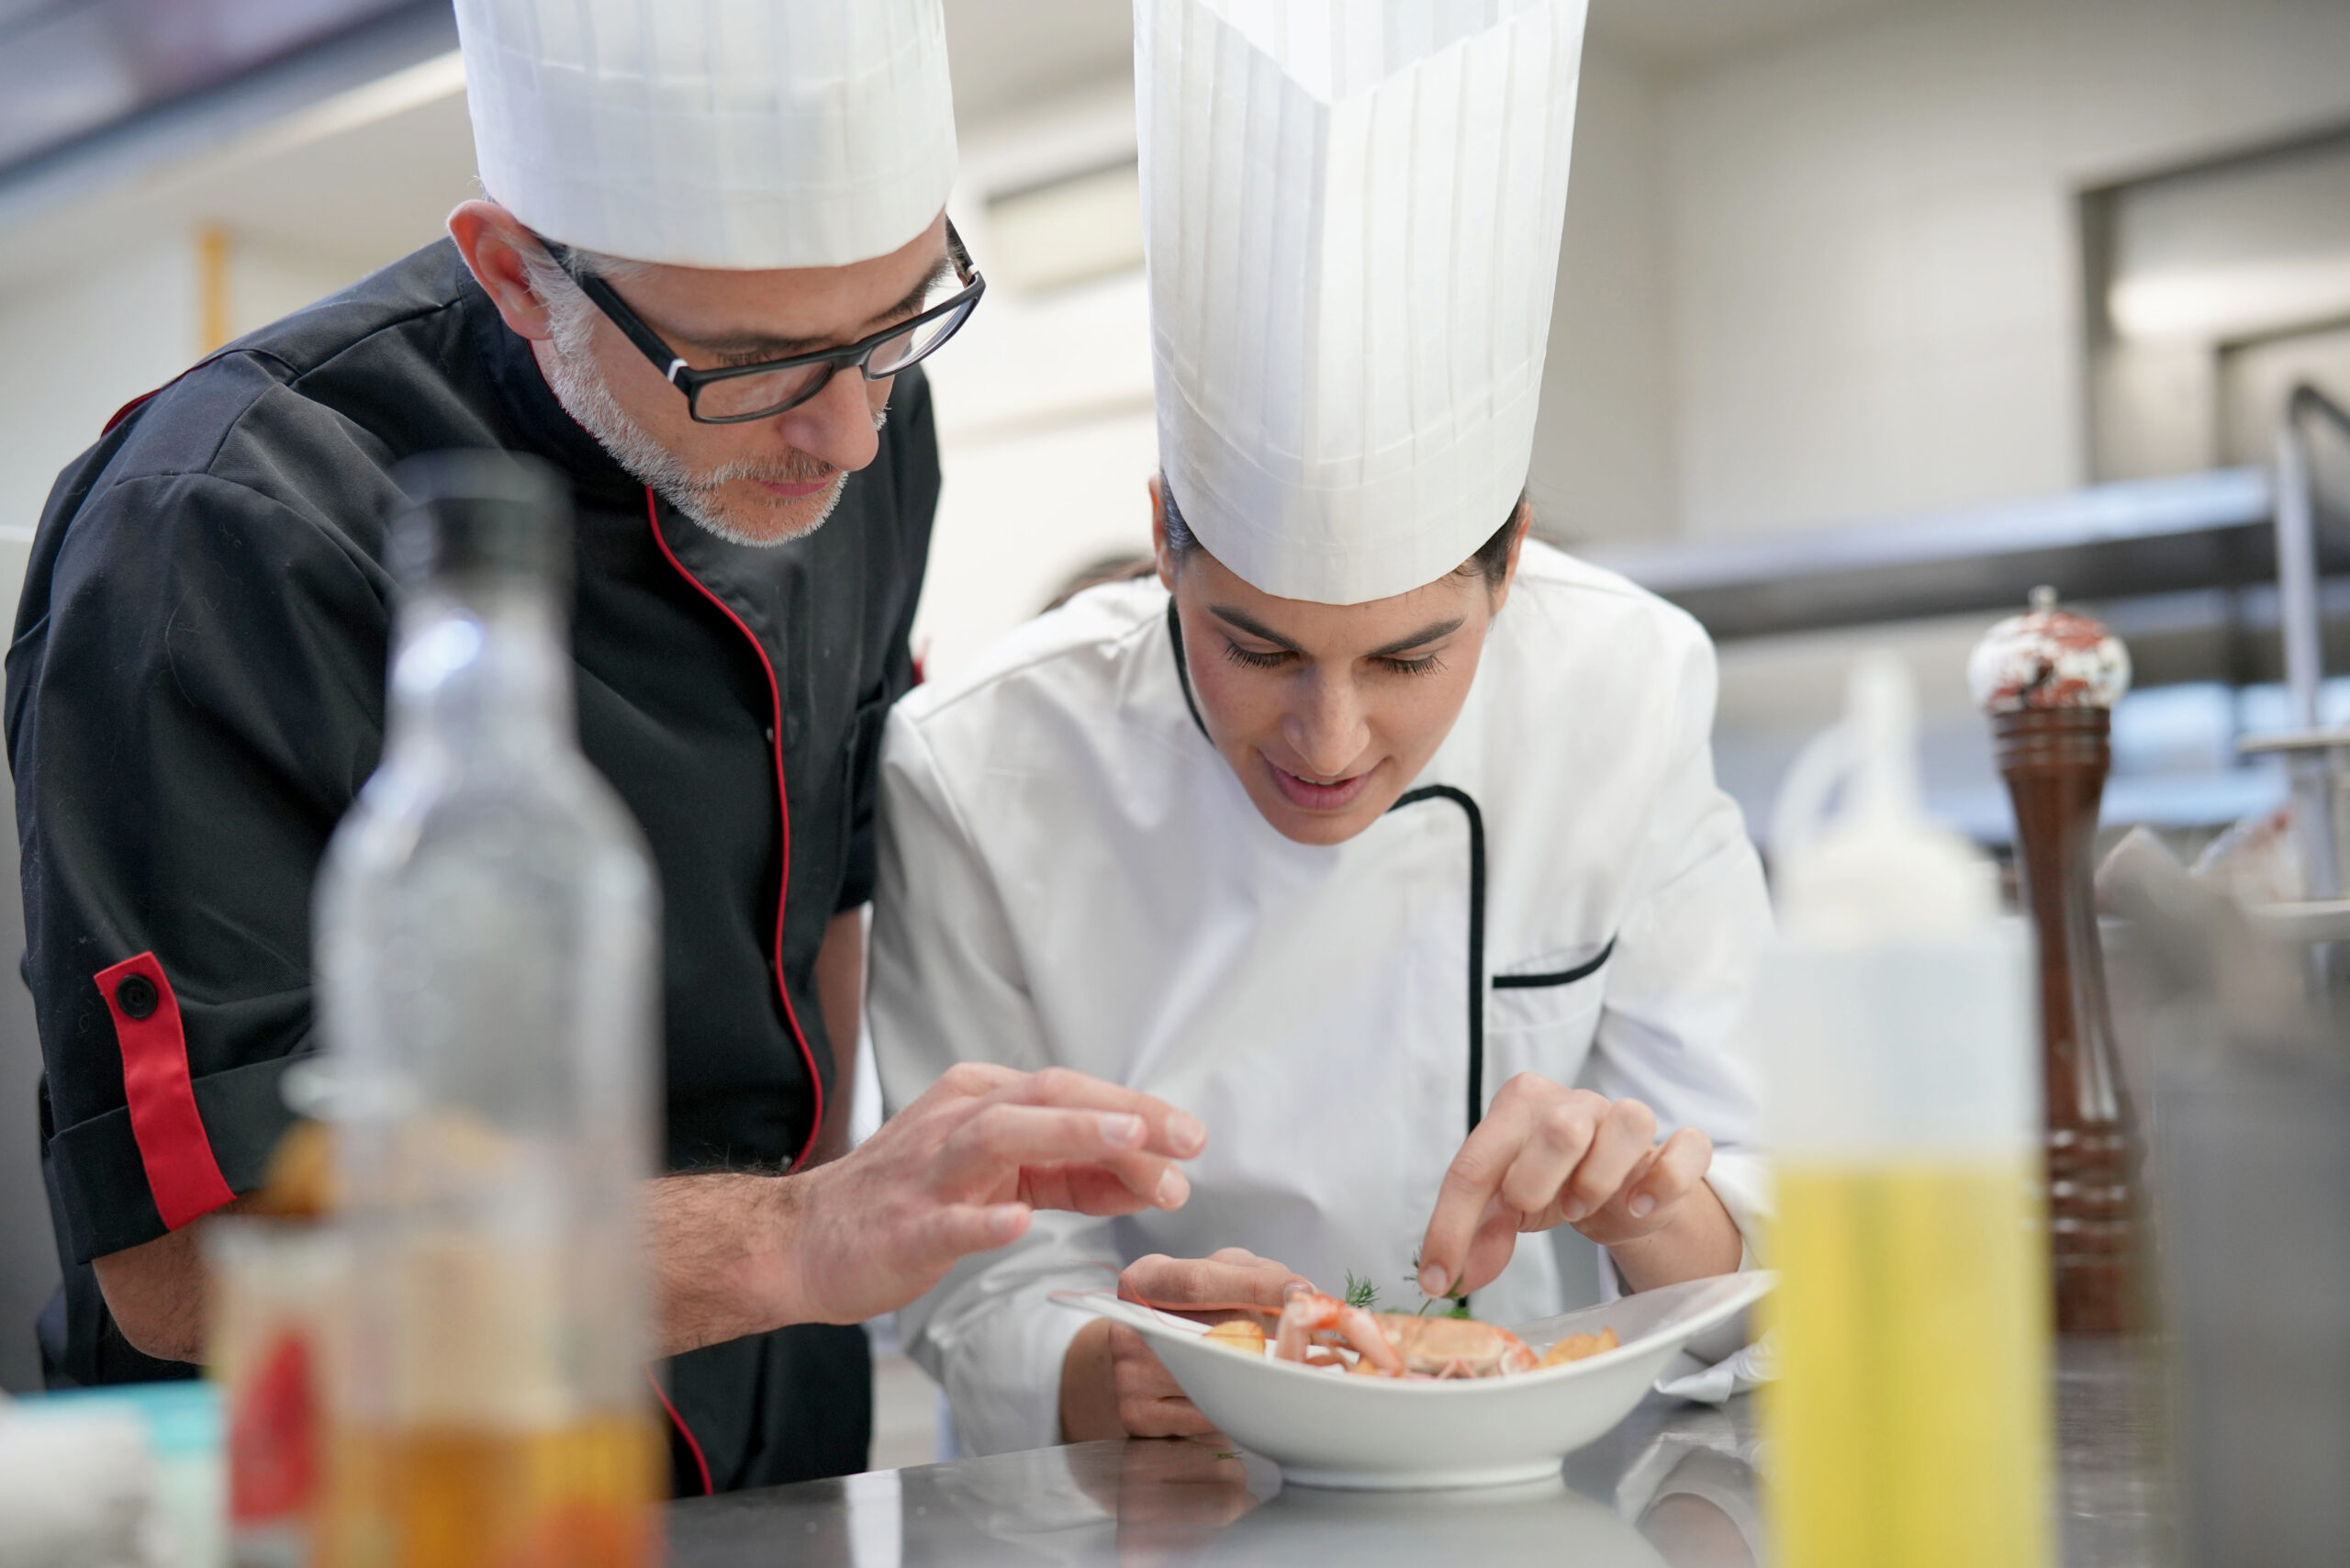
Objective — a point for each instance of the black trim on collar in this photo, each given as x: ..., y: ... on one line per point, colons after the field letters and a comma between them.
x: 1183, y: 670
x: 1476, y: 931
x: 1564, y: 976
x: 1476, y: 878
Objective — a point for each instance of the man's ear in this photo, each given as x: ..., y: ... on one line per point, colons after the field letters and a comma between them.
x: 492, y: 239
x: 1158, y: 550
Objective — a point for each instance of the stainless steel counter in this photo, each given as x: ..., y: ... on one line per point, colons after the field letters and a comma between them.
x: 1672, y: 1487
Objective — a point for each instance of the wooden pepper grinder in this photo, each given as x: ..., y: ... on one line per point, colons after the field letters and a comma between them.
x: 2049, y: 680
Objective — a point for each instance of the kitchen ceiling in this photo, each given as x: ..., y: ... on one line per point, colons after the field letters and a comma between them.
x: 1008, y: 51
x: 1688, y: 34
x: 71, y: 74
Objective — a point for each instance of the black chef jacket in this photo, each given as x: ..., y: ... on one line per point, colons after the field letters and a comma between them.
x: 196, y: 694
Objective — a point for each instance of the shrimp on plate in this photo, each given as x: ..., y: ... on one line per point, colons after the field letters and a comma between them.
x: 1395, y: 1344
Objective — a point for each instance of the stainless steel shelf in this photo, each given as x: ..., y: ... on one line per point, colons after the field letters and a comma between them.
x: 2188, y: 535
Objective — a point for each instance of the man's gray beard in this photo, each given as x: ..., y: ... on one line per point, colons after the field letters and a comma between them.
x: 579, y: 388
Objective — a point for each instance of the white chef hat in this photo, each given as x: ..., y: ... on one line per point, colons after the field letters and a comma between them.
x: 1352, y: 212
x: 713, y: 133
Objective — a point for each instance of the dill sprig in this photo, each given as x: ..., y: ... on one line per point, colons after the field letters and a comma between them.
x: 1361, y: 1293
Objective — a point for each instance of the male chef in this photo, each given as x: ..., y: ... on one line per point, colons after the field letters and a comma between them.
x: 711, y: 252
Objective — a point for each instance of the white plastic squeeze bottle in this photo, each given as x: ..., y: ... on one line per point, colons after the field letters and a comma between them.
x: 1910, y: 1423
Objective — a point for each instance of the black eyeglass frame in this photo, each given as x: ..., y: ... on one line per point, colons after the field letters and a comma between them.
x: 687, y: 379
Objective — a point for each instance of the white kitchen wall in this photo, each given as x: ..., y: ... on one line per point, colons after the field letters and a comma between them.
x: 1044, y: 431
x: 78, y: 344
x: 1875, y: 295
x: 1602, y: 445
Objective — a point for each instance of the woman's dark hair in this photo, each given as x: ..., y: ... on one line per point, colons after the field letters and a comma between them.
x: 1491, y: 562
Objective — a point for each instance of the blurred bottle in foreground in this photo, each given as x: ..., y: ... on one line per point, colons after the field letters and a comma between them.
x: 485, y: 973
x: 281, y: 1308
x: 1910, y: 1423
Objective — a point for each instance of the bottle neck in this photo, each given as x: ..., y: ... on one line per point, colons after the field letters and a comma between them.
x: 481, y: 671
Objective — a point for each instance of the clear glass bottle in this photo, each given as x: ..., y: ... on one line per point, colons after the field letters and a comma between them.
x: 487, y: 974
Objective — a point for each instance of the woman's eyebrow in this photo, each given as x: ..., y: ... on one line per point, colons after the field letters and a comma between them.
x: 1241, y: 620
x: 1428, y: 633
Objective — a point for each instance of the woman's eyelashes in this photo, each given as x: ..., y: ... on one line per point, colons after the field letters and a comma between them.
x: 1280, y: 659
x: 1252, y: 659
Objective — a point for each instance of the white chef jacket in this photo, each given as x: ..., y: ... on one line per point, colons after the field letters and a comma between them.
x: 1072, y: 875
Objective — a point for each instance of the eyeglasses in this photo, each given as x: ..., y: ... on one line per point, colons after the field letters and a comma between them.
x: 737, y: 394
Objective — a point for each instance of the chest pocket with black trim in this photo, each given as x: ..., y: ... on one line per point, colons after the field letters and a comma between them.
x: 1551, y: 993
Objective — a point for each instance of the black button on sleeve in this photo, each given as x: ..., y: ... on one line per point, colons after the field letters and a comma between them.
x: 135, y: 994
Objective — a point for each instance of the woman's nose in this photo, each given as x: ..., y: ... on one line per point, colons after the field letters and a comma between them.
x: 1327, y: 728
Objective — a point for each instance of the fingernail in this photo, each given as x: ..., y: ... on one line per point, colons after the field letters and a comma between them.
x: 1120, y: 1130
x: 1431, y: 1281
x: 1007, y: 1220
x: 1642, y: 1207
x: 1574, y: 1210
x: 1173, y: 1189
x: 1184, y: 1131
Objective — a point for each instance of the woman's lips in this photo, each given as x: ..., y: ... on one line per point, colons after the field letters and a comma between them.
x: 1307, y: 795
x: 794, y: 492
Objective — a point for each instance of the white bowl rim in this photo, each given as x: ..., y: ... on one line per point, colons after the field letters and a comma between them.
x: 1753, y: 1285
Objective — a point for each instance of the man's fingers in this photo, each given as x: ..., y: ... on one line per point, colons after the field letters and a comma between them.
x: 1177, y: 1134
x: 1000, y: 1139
x: 1101, y: 1189
x: 967, y: 1079
x: 1624, y: 1138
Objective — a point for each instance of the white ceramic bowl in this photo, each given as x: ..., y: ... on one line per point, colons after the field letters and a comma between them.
x: 1370, y: 1434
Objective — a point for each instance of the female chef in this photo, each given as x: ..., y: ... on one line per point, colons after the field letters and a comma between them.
x: 1380, y: 837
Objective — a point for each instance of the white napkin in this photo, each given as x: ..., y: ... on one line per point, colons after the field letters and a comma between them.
x: 1693, y: 1378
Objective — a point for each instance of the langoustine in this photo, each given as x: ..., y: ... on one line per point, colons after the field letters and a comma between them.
x: 1397, y: 1344
x: 1318, y: 1330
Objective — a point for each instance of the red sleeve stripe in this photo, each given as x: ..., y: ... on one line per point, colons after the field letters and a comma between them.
x: 173, y: 1145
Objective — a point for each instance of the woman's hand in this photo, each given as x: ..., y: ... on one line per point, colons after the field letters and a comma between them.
x: 1112, y: 1384
x: 1547, y: 1155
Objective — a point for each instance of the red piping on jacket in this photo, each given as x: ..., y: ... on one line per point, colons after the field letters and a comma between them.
x: 783, y: 798
x: 165, y: 1123
x: 693, y: 1448
x: 146, y: 397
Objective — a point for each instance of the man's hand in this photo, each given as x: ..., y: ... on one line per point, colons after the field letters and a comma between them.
x: 961, y: 1171
x: 1547, y: 1155
x: 1112, y: 1384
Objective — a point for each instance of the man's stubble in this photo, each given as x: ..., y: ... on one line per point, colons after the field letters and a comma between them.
x: 579, y: 385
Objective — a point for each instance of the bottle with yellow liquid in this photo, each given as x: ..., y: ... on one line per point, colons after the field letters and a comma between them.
x: 1910, y: 1423
x: 486, y: 988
